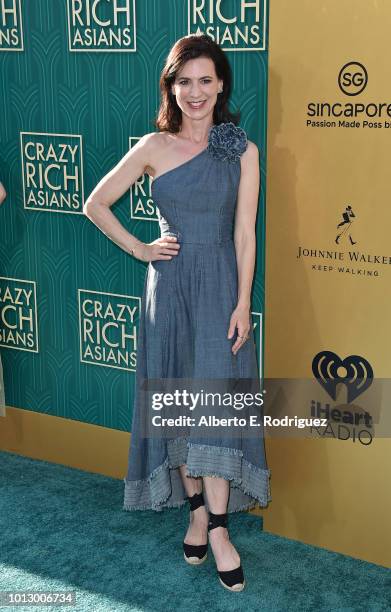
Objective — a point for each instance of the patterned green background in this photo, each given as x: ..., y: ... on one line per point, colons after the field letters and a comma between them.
x: 108, y: 98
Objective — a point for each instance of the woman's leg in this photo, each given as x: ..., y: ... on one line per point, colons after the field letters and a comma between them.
x: 217, y: 491
x: 197, y: 532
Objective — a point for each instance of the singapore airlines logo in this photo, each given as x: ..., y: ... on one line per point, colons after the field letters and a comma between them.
x: 236, y: 25
x: 11, y: 29
x: 102, y: 25
x: 355, y: 372
x: 353, y: 78
x: 349, y: 112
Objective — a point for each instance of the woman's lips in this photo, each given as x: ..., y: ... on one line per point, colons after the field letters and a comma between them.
x: 197, y: 105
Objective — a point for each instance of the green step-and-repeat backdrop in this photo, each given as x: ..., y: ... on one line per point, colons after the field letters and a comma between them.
x: 78, y: 87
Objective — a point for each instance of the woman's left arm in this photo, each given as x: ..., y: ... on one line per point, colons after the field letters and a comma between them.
x: 245, y: 242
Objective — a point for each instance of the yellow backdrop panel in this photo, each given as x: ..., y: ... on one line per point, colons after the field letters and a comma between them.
x: 331, y: 493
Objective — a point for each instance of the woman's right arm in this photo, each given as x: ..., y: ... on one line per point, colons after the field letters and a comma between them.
x: 110, y: 188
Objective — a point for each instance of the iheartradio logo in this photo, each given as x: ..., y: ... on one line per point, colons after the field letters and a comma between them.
x: 355, y: 372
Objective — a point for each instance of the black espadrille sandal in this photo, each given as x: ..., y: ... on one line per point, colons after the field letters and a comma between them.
x: 233, y: 580
x: 195, y: 554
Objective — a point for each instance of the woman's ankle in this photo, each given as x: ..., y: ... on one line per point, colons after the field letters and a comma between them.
x: 219, y: 533
x: 199, y: 515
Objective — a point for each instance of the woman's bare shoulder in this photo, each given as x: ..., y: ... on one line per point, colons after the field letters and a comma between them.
x: 252, y: 149
x: 251, y: 155
x: 156, y: 145
x: 155, y: 140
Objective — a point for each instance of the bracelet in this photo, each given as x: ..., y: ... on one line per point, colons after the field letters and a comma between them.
x: 134, y: 248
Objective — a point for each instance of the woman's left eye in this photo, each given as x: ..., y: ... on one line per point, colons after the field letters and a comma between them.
x: 205, y: 81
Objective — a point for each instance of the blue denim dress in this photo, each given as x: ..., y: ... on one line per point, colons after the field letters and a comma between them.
x: 186, y: 307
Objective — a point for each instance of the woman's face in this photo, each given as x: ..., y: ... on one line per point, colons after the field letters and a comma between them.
x: 196, y: 87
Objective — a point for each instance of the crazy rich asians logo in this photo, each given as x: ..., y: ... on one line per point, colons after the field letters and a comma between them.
x: 142, y: 206
x: 52, y: 166
x: 354, y: 261
x: 11, y: 29
x: 236, y: 25
x: 346, y: 421
x: 352, y: 80
x: 18, y: 314
x: 102, y: 25
x: 108, y: 329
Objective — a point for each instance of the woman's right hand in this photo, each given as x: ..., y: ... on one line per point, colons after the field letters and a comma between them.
x: 165, y: 247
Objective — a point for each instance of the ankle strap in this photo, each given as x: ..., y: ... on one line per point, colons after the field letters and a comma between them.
x: 196, y: 501
x: 217, y: 520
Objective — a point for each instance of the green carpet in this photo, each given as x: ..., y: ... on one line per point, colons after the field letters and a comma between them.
x: 64, y: 529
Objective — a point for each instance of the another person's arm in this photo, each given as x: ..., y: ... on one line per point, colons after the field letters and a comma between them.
x: 3, y: 193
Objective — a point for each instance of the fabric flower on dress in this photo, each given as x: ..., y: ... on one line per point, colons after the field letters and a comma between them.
x: 227, y: 142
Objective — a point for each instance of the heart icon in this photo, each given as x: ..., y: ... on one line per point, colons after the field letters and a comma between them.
x: 357, y: 376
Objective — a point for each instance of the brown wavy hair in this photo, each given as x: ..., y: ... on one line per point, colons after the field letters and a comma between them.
x: 169, y: 116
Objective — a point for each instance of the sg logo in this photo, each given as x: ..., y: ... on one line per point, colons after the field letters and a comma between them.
x: 353, y: 78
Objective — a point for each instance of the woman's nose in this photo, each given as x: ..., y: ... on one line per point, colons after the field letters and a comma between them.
x: 194, y: 90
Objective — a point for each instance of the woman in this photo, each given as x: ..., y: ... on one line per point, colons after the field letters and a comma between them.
x: 195, y: 315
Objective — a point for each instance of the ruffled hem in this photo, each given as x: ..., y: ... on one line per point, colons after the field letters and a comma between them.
x: 163, y: 488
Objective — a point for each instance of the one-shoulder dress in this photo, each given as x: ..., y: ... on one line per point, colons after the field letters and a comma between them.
x: 186, y: 307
